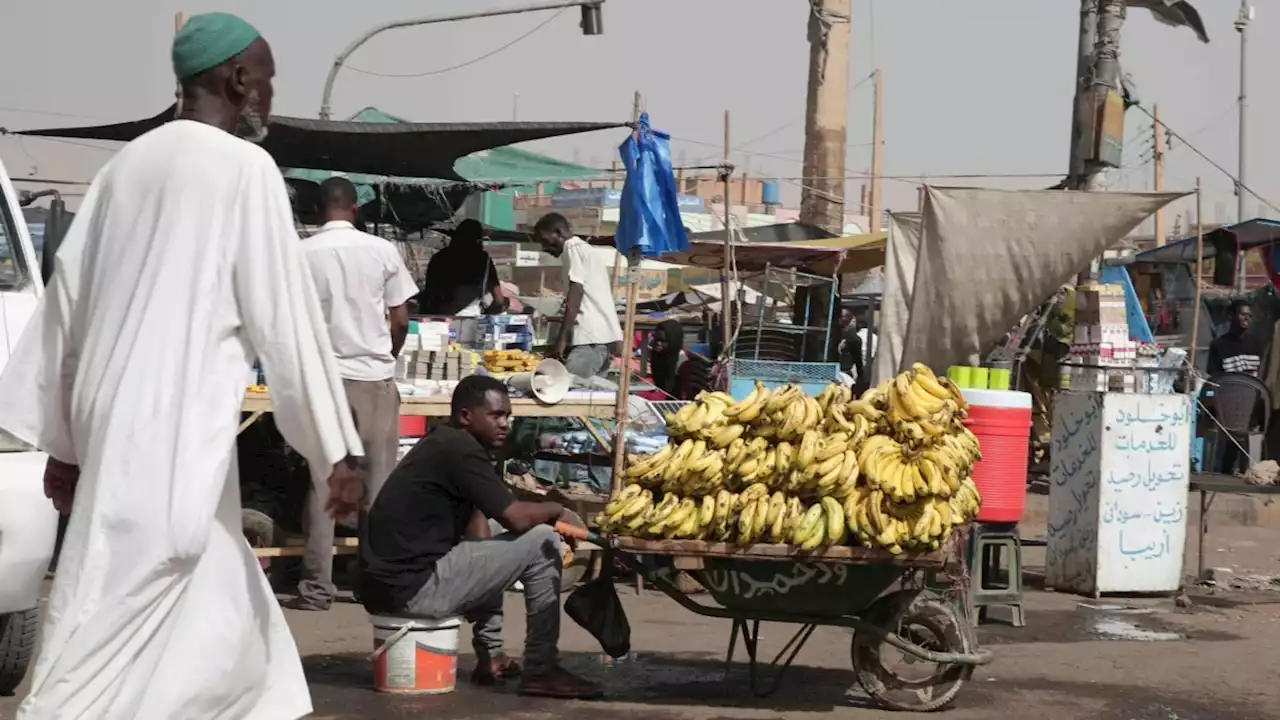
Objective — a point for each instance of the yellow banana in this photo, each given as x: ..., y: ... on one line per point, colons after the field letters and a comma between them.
x: 742, y: 405
x: 927, y: 380
x: 784, y: 453
x: 707, y: 512
x: 728, y: 435
x: 808, y: 449
x: 808, y: 526
x: 830, y: 449
x: 836, y: 530
x: 735, y: 453
x: 698, y: 457
x: 924, y: 400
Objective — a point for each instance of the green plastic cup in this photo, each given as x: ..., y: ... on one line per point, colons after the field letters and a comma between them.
x: 960, y: 375
x: 979, y: 377
x: 998, y: 379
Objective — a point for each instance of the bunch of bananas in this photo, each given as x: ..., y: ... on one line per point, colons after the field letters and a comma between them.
x: 876, y: 520
x: 923, y: 408
x: 888, y: 469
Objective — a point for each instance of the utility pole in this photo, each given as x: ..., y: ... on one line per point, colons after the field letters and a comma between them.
x: 1104, y: 87
x: 1242, y: 26
x: 877, y: 153
x: 1082, y: 104
x: 1157, y: 131
x: 826, y: 113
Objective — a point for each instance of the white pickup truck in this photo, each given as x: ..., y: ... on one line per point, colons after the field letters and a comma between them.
x: 28, y: 522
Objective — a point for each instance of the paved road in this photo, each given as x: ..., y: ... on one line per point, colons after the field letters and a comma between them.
x: 1109, y: 660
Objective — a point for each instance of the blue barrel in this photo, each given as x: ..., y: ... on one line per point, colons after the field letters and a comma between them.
x: 769, y: 193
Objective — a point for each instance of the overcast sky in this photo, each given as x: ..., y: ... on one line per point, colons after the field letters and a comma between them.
x: 972, y: 87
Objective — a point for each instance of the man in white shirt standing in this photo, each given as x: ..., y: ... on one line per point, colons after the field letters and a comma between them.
x: 590, y: 326
x: 363, y: 287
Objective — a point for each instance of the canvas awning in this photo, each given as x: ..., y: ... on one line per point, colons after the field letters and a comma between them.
x: 420, y: 150
x: 755, y: 256
x: 1249, y: 234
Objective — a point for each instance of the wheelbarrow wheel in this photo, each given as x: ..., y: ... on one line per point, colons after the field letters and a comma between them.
x: 900, y: 681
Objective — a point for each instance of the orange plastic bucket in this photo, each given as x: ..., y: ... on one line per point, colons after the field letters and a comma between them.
x: 413, y: 656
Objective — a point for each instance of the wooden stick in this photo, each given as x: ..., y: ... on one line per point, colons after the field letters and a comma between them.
x: 628, y: 333
x: 1195, y: 314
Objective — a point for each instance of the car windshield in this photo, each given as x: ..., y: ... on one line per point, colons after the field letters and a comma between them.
x: 12, y: 265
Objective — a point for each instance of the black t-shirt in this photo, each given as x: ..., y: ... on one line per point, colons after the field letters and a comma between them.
x: 457, y: 276
x: 422, y: 512
x: 1233, y: 352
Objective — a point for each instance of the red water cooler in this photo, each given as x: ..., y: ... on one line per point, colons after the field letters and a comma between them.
x: 1002, y: 421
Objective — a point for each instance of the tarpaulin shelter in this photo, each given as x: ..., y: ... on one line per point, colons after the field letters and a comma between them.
x: 419, y: 150
x: 987, y: 257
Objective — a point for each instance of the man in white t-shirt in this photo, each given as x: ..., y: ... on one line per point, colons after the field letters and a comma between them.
x: 363, y: 288
x: 590, y: 327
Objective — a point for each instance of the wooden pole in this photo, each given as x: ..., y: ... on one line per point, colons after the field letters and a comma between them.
x: 862, y: 200
x: 1158, y: 135
x: 877, y: 154
x: 1191, y: 358
x: 726, y: 302
x: 628, y: 332
x: 1195, y: 313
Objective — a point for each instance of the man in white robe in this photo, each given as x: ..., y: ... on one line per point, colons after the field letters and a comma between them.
x: 181, y: 267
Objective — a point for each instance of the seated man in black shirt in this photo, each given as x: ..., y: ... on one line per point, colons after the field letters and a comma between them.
x: 427, y: 550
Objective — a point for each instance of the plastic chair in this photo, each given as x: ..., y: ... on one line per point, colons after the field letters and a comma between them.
x: 1242, y: 407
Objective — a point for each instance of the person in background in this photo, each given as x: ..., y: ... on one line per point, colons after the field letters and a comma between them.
x: 183, y: 265
x: 363, y: 287
x: 590, y: 327
x: 1237, y: 351
x: 852, y: 359
x: 428, y: 550
x: 666, y: 355
x: 461, y: 279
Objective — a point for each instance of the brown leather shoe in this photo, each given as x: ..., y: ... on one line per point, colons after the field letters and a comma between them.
x: 490, y: 671
x: 561, y: 684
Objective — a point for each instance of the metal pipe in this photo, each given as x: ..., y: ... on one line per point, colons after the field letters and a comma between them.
x: 429, y: 20
x: 1242, y: 26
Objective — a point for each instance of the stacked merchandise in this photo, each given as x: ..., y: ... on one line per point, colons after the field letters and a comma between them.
x: 505, y: 361
x: 431, y: 366
x: 1102, y: 356
x: 888, y: 470
x: 504, y: 332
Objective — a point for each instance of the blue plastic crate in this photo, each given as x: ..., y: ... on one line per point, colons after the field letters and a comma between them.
x: 812, y: 377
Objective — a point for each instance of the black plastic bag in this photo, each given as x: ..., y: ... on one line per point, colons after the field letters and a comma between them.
x: 596, y: 607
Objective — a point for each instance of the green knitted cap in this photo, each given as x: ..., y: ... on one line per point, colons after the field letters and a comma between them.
x: 208, y: 40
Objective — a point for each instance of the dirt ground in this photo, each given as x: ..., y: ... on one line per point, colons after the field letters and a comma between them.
x: 1113, y: 659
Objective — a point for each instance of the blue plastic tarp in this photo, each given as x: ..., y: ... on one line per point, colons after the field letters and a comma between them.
x: 1139, y: 330
x: 649, y: 213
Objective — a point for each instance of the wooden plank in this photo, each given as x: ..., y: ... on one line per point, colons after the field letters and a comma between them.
x: 438, y: 406
x: 298, y: 551
x: 764, y: 551
x: 349, y: 544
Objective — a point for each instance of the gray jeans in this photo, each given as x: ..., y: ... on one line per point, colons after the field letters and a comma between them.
x: 376, y: 408
x: 471, y: 578
x: 587, y: 360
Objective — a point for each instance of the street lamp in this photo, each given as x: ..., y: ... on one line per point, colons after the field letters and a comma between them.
x: 592, y: 24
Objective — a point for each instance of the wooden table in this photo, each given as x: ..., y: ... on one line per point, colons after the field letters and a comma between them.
x: 256, y: 404
x: 1209, y: 485
x: 438, y: 406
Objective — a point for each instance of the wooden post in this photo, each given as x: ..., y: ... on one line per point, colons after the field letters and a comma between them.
x: 877, y: 155
x: 862, y: 200
x: 1195, y: 313
x: 628, y: 331
x: 726, y: 303
x: 1191, y: 358
x: 1158, y: 136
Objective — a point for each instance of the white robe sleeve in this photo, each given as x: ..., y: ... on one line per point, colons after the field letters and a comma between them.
x: 37, y: 381
x: 284, y: 325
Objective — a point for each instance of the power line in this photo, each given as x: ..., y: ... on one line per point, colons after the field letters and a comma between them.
x: 49, y: 113
x: 1211, y: 161
x: 461, y: 65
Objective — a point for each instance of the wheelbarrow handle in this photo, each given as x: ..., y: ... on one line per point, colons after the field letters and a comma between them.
x: 573, y: 532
